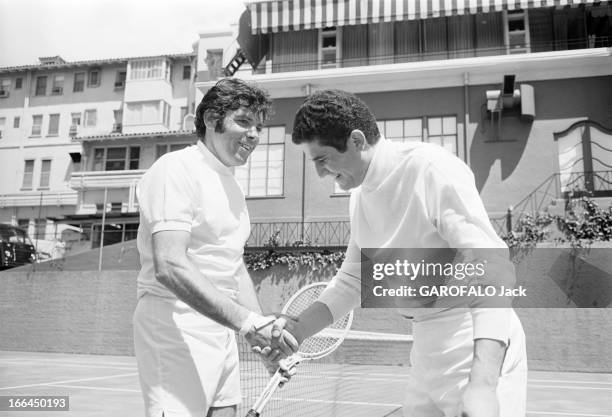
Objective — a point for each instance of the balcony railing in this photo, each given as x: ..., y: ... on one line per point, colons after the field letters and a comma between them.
x: 105, y: 179
x: 39, y: 198
x: 308, y: 233
x: 299, y: 64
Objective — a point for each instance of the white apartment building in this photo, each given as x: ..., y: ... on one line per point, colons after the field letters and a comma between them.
x: 76, y: 134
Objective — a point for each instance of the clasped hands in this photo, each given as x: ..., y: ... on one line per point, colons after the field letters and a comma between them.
x: 275, y: 340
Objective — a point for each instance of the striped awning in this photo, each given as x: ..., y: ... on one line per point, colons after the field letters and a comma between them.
x: 284, y: 15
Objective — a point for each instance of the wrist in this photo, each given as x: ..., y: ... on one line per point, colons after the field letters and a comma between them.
x: 254, y: 323
x: 248, y: 324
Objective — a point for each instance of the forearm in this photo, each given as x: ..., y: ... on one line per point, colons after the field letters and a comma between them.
x: 181, y: 277
x: 488, y: 358
x: 247, y: 297
x: 311, y: 321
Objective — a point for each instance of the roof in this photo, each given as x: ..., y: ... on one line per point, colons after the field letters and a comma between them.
x: 97, y: 62
x: 119, y: 136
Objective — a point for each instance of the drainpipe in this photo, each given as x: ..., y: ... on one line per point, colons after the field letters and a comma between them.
x: 466, y: 121
x: 303, y: 214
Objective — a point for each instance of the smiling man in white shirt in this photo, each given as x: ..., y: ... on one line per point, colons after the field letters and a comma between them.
x: 194, y: 291
x: 465, y: 361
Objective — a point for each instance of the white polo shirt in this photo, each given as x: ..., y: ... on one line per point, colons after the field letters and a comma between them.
x: 192, y: 190
x: 415, y: 195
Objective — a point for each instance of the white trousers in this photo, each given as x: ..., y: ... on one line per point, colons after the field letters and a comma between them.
x: 187, y: 363
x: 441, y: 360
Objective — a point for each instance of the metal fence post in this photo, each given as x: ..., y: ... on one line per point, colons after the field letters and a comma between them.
x: 509, y: 220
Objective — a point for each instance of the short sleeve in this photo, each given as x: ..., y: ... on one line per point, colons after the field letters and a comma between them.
x: 166, y: 196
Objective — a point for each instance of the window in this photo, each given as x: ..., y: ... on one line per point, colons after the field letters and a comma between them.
x: 18, y: 83
x: 186, y: 72
x: 134, y: 157
x: 516, y: 31
x: 94, y: 78
x: 37, y: 124
x: 406, y: 130
x: 41, y: 85
x: 118, y: 116
x: 263, y: 175
x: 28, y: 172
x: 116, y: 159
x: 23, y: 224
x: 16, y: 122
x: 443, y: 131
x: 182, y: 119
x: 53, y: 124
x: 5, y: 85
x: 58, y: 85
x: 440, y: 130
x: 329, y: 47
x: 45, y: 173
x: 91, y: 118
x: 149, y: 69
x: 214, y: 63
x: 142, y: 113
x: 166, y: 114
x: 120, y: 80
x: 2, y: 122
x: 163, y: 149
x: 75, y: 122
x: 79, y: 82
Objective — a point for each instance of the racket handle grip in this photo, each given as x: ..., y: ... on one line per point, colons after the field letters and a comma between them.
x: 252, y: 413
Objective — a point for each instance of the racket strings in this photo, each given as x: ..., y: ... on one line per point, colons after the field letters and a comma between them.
x: 328, y: 338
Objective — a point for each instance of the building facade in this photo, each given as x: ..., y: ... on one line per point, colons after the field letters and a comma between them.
x: 520, y: 90
x: 77, y: 135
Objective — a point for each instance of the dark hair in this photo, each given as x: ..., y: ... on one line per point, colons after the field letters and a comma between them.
x: 230, y: 94
x: 330, y: 116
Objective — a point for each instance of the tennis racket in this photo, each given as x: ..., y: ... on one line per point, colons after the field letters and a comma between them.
x: 314, y: 347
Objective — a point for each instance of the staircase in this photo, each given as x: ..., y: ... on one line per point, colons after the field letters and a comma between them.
x: 235, y: 63
x: 548, y: 196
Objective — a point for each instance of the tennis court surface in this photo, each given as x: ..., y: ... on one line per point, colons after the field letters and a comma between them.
x: 108, y: 385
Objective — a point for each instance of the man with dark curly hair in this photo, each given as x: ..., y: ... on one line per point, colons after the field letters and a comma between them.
x: 468, y: 359
x: 194, y: 291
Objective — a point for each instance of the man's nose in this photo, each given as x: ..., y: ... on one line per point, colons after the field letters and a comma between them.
x: 253, y: 133
x: 321, y: 170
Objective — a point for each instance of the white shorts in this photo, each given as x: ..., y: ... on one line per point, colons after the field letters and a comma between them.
x: 441, y: 360
x: 187, y: 362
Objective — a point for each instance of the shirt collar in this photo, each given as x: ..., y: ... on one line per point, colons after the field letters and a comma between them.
x: 378, y: 169
x: 212, y: 160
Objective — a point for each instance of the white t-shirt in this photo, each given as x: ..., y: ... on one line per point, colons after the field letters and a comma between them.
x: 192, y: 190
x: 415, y: 195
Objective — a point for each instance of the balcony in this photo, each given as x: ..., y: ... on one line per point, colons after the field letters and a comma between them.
x: 39, y: 198
x: 88, y: 180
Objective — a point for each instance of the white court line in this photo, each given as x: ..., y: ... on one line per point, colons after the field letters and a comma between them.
x: 560, y: 413
x: 68, y: 381
x: 65, y: 360
x: 569, y: 387
x: 94, y: 388
x: 350, y: 378
x: 309, y: 400
x: 571, y: 381
x: 73, y: 365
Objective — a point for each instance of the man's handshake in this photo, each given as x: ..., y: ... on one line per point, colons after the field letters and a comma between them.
x: 273, y: 339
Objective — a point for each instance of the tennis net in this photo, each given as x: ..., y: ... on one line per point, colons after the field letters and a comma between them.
x: 366, y: 376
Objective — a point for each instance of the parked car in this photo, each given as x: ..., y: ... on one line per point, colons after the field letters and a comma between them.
x: 16, y: 248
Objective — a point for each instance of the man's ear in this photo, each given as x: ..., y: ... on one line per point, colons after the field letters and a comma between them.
x: 357, y: 140
x: 210, y: 120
